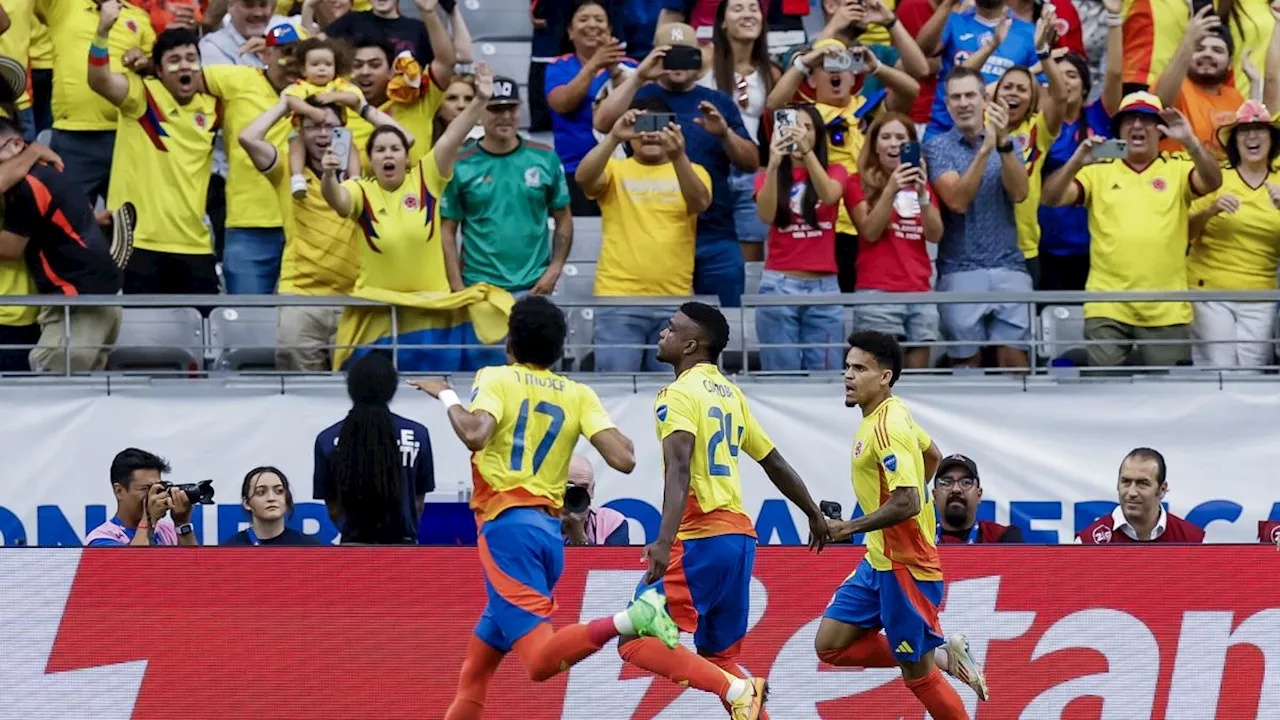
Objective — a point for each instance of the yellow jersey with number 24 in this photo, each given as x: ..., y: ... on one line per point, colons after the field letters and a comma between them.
x: 540, y: 415
x: 704, y: 404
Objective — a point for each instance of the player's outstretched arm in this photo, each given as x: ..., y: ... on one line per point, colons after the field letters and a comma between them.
x: 474, y: 429
x: 616, y: 449
x: 903, y: 504
x: 785, y: 478
x: 932, y: 458
x: 677, y: 452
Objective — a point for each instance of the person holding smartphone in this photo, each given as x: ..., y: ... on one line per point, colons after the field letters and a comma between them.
x: 798, y: 196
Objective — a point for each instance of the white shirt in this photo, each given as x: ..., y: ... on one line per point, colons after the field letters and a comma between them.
x: 1121, y: 524
x: 755, y: 100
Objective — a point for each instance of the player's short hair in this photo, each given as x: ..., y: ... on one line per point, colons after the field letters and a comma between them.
x: 883, y: 347
x: 536, y: 331
x: 129, y: 460
x: 169, y: 40
x: 715, y: 328
x: 1146, y: 453
x: 246, y: 487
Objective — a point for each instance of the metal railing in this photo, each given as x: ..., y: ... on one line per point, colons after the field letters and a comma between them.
x: 581, y: 309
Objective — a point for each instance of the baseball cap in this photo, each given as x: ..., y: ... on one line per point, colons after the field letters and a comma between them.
x: 284, y: 33
x: 505, y: 92
x: 958, y: 460
x: 675, y: 34
x: 1137, y: 103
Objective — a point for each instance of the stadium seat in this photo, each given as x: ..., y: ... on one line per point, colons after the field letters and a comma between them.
x: 732, y: 358
x: 243, y: 338
x: 159, y: 339
x: 754, y: 271
x: 587, y: 239
x: 1062, y: 328
x: 578, y: 349
x: 498, y: 19
x: 578, y: 280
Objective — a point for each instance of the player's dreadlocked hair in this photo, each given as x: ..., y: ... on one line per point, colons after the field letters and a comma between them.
x: 365, y: 468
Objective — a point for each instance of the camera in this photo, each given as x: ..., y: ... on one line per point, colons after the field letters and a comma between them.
x: 576, y: 499
x: 200, y: 493
x: 830, y: 508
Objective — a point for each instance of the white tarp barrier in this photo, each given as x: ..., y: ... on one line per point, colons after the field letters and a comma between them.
x: 1048, y: 455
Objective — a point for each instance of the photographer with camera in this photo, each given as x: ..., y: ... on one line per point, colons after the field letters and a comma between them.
x: 582, y: 524
x: 143, y: 500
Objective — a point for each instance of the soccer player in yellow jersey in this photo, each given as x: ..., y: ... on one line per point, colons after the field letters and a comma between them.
x: 522, y: 427
x: 898, y: 584
x: 706, y: 546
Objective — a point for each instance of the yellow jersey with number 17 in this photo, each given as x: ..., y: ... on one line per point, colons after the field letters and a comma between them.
x: 704, y: 404
x: 888, y: 454
x: 540, y: 415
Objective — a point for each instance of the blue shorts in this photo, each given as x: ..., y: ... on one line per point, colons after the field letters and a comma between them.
x: 708, y: 589
x: 905, y: 607
x: 522, y: 554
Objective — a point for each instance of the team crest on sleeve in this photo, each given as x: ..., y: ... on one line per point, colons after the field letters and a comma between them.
x: 662, y: 413
x: 1102, y: 535
x: 891, y: 462
x: 857, y: 449
x: 475, y: 392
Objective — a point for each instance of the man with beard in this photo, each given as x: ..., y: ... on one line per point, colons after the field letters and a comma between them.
x: 1195, y: 82
x: 1139, y: 220
x: 964, y: 34
x: 715, y: 138
x: 164, y: 135
x: 956, y: 493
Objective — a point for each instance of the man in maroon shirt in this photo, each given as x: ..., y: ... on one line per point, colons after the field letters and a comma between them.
x: 1141, y: 517
x: 956, y: 495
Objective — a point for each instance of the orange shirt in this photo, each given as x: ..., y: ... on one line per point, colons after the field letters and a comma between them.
x: 1207, y: 110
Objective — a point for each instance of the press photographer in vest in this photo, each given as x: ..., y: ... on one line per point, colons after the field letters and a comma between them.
x: 143, y: 500
x: 266, y: 495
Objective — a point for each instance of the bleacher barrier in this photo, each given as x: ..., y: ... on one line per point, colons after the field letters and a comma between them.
x: 379, y: 634
x: 163, y: 334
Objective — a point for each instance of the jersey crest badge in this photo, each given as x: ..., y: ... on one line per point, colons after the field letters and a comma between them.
x: 410, y: 202
x: 532, y: 177
x: 1159, y: 184
x: 891, y: 462
x: 662, y: 413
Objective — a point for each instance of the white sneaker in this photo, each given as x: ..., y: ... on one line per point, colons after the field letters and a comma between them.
x: 960, y: 665
x: 298, y: 185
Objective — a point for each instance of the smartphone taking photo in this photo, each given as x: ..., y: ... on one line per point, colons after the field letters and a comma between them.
x: 1111, y: 149
x: 341, y: 146
x: 651, y: 122
x: 784, y: 118
x: 909, y: 154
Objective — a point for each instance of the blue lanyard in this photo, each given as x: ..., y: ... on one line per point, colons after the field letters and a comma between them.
x: 973, y: 535
x: 253, y: 537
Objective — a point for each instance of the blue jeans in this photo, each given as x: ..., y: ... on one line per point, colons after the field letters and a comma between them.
x: 629, y: 326
x: 87, y: 155
x: 751, y: 229
x: 251, y: 260
x: 28, y: 120
x: 800, y: 325
x: 718, y: 270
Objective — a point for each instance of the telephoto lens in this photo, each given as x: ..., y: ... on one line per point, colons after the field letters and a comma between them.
x: 200, y: 493
x: 576, y: 499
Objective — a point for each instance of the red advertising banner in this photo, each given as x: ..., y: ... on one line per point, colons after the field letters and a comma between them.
x: 1112, y: 633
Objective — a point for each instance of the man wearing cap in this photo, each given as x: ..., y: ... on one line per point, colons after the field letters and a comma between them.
x: 502, y: 191
x: 957, y: 491
x: 1139, y: 221
x: 255, y: 227
x: 1140, y: 516
x: 715, y: 138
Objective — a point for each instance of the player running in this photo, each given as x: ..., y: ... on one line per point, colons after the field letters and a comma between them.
x: 898, y: 584
x: 522, y: 427
x: 706, y: 546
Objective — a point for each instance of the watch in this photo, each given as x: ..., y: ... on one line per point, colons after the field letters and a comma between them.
x: 186, y: 529
x: 1005, y: 147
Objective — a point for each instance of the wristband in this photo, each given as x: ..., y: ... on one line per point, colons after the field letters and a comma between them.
x: 1114, y: 20
x: 449, y: 398
x: 892, y: 21
x: 798, y: 64
x: 99, y: 53
x: 1043, y: 54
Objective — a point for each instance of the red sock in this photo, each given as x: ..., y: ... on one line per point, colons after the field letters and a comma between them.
x: 546, y: 653
x: 869, y: 651
x: 478, y: 666
x: 677, y: 665
x: 938, y: 697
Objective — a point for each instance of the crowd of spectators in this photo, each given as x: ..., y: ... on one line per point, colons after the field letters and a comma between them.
x: 329, y: 146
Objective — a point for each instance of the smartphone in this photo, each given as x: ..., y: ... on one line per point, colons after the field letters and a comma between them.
x: 783, y: 119
x: 682, y: 57
x: 654, y: 122
x: 909, y: 154
x: 830, y: 509
x: 341, y: 145
x: 1037, y: 9
x: 845, y: 62
x: 1198, y: 5
x: 1110, y: 149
